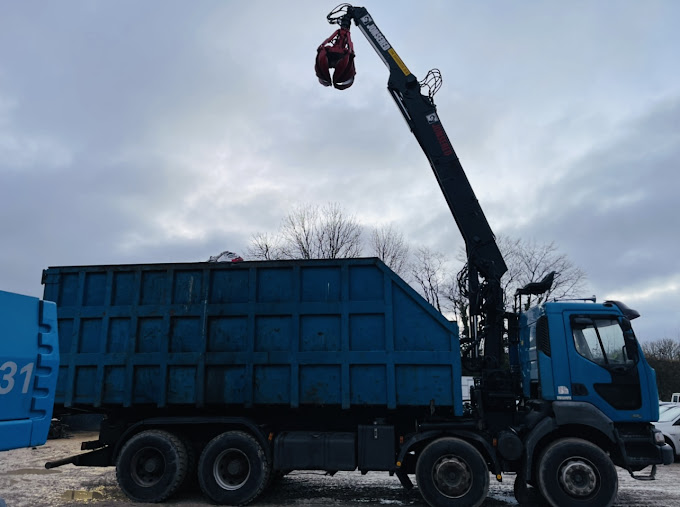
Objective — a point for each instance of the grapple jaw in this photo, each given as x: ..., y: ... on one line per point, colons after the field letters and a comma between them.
x: 336, y: 52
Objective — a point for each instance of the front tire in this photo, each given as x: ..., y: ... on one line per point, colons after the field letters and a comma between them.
x: 151, y: 466
x: 576, y: 473
x: 451, y: 472
x: 233, y: 468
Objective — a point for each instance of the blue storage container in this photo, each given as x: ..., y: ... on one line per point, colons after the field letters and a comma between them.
x: 296, y: 333
x: 29, y: 361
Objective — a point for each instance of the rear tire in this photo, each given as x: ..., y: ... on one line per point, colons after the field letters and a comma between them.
x: 576, y: 473
x: 451, y: 472
x: 151, y: 466
x: 233, y: 468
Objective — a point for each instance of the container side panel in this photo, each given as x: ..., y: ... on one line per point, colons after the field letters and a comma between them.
x: 226, y: 384
x: 229, y: 286
x: 154, y: 287
x: 147, y: 386
x: 188, y: 287
x: 185, y: 334
x: 273, y: 333
x: 95, y: 289
x: 275, y: 285
x: 63, y: 384
x: 320, y: 333
x: 85, y: 384
x: 320, y: 385
x: 66, y: 335
x: 272, y: 384
x: 181, y: 384
x: 90, y: 335
x: 366, y: 284
x: 321, y: 284
x: 149, y: 334
x: 123, y: 288
x: 368, y: 384
x: 416, y: 383
x: 298, y: 333
x: 119, y: 336
x: 68, y: 289
x: 414, y: 328
x: 367, y: 332
x: 227, y: 334
x: 114, y: 385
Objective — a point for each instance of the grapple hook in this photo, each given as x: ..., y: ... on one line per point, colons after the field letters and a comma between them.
x: 337, y: 52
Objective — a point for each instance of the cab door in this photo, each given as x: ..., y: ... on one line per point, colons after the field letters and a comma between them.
x: 604, y: 364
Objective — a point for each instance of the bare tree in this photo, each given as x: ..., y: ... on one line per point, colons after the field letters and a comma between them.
x: 339, y: 235
x: 429, y: 272
x: 299, y: 232
x: 664, y: 356
x: 529, y: 261
x: 665, y: 348
x: 457, y: 302
x: 265, y: 246
x: 310, y: 232
x: 389, y: 245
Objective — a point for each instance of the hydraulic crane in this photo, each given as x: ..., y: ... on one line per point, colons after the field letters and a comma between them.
x: 415, y: 99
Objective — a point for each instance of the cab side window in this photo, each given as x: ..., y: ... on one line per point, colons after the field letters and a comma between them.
x: 600, y: 340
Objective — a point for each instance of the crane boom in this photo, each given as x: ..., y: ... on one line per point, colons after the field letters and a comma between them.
x: 485, y: 260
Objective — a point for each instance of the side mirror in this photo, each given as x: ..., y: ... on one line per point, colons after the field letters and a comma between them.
x: 629, y: 339
x: 632, y: 350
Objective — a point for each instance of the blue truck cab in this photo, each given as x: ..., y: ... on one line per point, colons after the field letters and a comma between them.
x: 582, y: 363
x: 587, y: 353
x: 29, y: 365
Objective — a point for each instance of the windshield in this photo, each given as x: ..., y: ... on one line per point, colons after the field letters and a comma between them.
x: 600, y: 339
x: 669, y: 414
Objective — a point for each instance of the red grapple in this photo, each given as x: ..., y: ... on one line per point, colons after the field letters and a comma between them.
x: 336, y: 52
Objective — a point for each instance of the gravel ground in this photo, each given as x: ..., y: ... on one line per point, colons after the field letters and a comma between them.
x: 25, y: 482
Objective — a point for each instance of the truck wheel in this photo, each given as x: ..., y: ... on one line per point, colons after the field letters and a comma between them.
x: 151, y: 466
x: 191, y: 479
x: 233, y: 468
x: 451, y: 472
x: 575, y: 472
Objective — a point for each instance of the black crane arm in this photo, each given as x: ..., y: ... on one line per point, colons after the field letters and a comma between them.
x: 420, y: 113
x: 484, y: 257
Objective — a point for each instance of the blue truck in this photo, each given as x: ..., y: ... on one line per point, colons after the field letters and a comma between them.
x: 236, y: 373
x: 29, y: 364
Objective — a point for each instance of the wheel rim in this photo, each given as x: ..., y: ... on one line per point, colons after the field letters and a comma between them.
x: 231, y: 469
x: 148, y: 466
x: 578, y: 477
x: 452, y: 476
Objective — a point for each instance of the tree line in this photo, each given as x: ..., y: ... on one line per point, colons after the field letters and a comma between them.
x: 664, y: 356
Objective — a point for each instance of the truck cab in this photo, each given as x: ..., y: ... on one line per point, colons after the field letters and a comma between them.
x: 588, y: 353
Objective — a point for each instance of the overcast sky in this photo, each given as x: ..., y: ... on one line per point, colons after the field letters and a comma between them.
x: 168, y: 131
